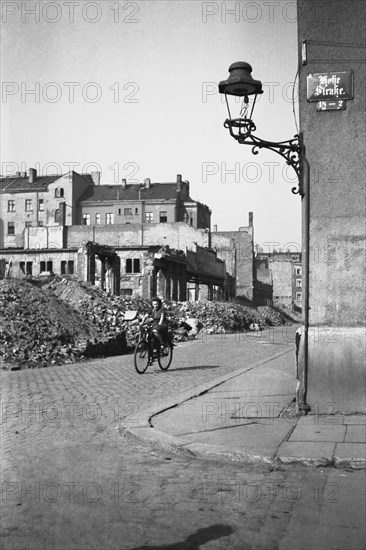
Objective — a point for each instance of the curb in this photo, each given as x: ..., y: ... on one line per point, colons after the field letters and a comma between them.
x: 143, y: 432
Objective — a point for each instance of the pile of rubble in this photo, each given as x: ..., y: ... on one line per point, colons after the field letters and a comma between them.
x: 271, y: 317
x: 214, y: 317
x: 219, y: 317
x: 36, y: 331
x: 63, y: 320
x: 104, y: 311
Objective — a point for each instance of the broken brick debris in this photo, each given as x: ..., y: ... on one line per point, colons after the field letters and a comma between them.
x: 64, y: 320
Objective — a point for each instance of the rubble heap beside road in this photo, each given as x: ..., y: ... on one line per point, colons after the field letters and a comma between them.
x: 61, y: 320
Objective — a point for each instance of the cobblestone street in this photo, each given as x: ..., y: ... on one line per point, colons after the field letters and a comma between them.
x: 71, y: 482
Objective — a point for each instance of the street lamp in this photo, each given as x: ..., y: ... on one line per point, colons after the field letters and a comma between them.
x: 241, y: 84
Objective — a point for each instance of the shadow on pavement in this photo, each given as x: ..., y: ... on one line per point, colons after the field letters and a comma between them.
x: 194, y: 542
x: 195, y: 367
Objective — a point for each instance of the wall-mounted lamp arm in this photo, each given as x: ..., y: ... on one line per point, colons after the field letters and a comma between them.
x: 291, y: 150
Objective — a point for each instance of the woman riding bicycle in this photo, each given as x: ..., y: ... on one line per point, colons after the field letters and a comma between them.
x: 152, y: 337
x: 159, y: 321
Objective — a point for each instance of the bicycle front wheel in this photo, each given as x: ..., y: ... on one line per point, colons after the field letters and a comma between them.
x: 141, y: 357
x: 165, y: 357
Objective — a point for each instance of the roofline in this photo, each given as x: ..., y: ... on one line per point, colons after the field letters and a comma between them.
x: 86, y: 202
x: 4, y: 191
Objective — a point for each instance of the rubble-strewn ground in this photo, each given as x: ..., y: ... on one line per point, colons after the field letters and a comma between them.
x: 62, y: 320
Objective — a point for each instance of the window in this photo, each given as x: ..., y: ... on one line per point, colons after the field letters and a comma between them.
x: 163, y: 216
x: 41, y: 205
x: 127, y: 211
x: 109, y: 218
x: 149, y: 217
x: 11, y: 228
x: 86, y: 219
x: 46, y: 266
x: 57, y: 216
x: 59, y: 192
x: 298, y: 283
x: 298, y: 295
x: 28, y: 224
x: 136, y: 210
x: 120, y: 211
x: 28, y: 205
x: 40, y: 224
x: 11, y: 206
x: 67, y: 267
x: 26, y: 268
x: 298, y: 270
x: 126, y: 291
x: 133, y: 266
x: 97, y: 219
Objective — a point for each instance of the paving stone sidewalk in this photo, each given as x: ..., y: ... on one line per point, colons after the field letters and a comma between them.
x: 250, y: 416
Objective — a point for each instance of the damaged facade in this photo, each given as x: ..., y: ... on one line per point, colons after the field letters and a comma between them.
x: 282, y: 273
x: 134, y: 240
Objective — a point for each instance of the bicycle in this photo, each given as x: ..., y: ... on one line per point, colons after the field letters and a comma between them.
x: 148, y: 349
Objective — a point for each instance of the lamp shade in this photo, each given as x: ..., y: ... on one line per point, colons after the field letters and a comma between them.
x: 240, y: 82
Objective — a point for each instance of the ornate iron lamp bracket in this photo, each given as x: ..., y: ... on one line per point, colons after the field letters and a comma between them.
x: 291, y: 150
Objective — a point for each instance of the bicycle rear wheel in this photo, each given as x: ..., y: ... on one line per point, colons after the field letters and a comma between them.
x: 165, y: 357
x: 141, y: 357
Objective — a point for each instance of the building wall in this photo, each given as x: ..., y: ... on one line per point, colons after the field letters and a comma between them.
x: 195, y: 214
x: 335, y: 149
x: 243, y: 254
x: 297, y: 285
x: 177, y: 235
x: 79, y: 185
x: 138, y: 211
x: 53, y: 202
x: 282, y: 280
x: 39, y: 261
x: 225, y: 247
x: 62, y: 193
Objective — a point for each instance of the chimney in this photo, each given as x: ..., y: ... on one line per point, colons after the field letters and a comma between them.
x: 32, y: 175
x: 62, y: 218
x: 215, y: 228
x: 147, y: 183
x: 95, y: 176
x: 250, y: 219
x: 124, y: 183
x: 179, y: 183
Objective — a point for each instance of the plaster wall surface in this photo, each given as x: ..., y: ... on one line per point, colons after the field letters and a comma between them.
x: 282, y: 281
x: 335, y: 149
x: 337, y: 354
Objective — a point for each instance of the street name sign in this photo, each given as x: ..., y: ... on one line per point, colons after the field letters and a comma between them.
x: 330, y: 86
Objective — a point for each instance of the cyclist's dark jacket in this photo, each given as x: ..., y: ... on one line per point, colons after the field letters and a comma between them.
x: 156, y: 316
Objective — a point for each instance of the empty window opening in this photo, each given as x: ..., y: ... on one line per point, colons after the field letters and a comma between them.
x: 163, y: 216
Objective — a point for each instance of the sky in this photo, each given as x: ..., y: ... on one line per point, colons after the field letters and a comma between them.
x: 130, y: 89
